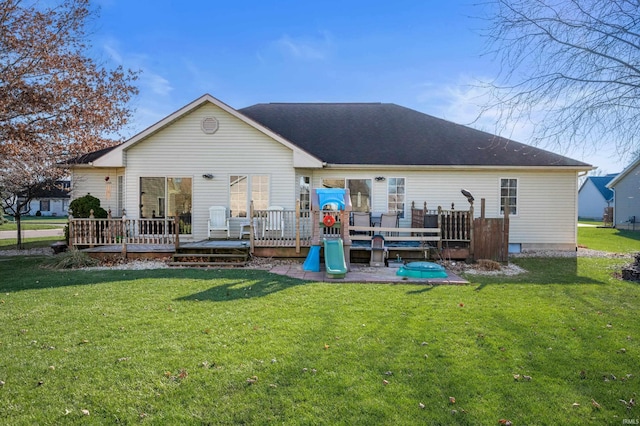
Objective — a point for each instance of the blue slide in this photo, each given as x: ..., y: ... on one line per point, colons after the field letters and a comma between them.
x: 312, y: 262
x: 334, y: 258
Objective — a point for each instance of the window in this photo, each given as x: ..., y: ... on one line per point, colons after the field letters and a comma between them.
x: 120, y: 195
x: 360, y: 190
x: 305, y: 189
x: 45, y: 205
x: 240, y: 186
x: 509, y: 195
x: 395, y: 197
x: 167, y: 197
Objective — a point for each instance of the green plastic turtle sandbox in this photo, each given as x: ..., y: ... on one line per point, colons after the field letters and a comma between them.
x: 422, y: 270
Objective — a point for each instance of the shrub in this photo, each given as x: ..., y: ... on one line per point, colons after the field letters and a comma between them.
x: 38, y: 213
x: 70, y: 259
x: 81, y: 207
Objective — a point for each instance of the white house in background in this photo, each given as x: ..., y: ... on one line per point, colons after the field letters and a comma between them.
x: 210, y: 154
x: 626, y: 197
x: 594, y: 196
x: 53, y: 201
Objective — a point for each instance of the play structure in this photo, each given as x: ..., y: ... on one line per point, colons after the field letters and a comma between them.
x: 330, y: 208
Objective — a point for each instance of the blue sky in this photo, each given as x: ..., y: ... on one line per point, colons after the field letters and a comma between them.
x: 425, y: 55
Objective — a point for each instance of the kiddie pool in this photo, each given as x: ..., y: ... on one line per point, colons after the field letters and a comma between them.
x: 422, y: 270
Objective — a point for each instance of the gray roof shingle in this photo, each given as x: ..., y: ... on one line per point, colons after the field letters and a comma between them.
x: 388, y: 134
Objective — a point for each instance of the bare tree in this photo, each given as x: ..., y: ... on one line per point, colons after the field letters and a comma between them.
x: 572, y: 67
x: 55, y: 101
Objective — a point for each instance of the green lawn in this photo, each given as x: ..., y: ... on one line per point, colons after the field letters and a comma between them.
x: 247, y: 347
x: 609, y: 239
x: 191, y: 346
x: 34, y: 222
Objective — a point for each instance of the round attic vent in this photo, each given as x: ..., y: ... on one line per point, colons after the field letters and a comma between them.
x: 209, y: 125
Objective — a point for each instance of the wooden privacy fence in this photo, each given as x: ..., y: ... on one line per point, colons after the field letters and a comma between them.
x: 492, y: 236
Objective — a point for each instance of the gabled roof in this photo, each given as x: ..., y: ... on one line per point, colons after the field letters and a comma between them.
x: 114, y: 158
x: 388, y: 134
x: 92, y: 156
x: 625, y: 172
x: 600, y: 182
x: 355, y: 134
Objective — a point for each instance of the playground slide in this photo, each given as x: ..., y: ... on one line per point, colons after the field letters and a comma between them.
x: 334, y: 258
x: 312, y: 262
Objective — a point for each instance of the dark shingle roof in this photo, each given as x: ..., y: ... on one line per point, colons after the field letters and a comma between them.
x: 388, y: 134
x: 92, y: 156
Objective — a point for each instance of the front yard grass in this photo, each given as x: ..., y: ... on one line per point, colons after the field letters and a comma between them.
x: 556, y: 345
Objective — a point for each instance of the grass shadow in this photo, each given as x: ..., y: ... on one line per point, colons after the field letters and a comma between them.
x: 27, y: 274
x: 260, y: 285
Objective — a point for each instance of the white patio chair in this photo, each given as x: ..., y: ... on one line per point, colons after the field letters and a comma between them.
x: 274, y: 220
x: 218, y: 220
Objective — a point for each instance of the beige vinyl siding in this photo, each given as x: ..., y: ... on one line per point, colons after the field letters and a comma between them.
x: 547, y: 201
x: 184, y: 150
x: 93, y: 181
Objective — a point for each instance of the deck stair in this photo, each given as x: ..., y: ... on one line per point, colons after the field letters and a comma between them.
x: 217, y: 257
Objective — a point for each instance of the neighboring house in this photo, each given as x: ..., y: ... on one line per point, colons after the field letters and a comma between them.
x: 626, y: 198
x: 594, y: 197
x: 210, y: 154
x: 50, y: 201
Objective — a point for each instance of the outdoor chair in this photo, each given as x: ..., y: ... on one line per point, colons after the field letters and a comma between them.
x: 218, y: 220
x: 389, y: 220
x: 361, y: 219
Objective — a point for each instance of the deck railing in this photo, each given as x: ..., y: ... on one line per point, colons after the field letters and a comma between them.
x: 122, y: 231
x: 270, y: 228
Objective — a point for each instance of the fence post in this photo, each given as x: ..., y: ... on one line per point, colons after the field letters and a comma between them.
x: 505, y: 248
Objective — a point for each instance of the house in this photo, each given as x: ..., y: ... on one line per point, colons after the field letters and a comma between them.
x: 210, y: 154
x: 594, y: 197
x: 50, y: 200
x: 626, y: 197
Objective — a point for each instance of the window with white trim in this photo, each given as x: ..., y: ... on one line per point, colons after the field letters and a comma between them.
x: 509, y: 195
x: 396, y: 196
x: 168, y: 197
x: 305, y: 189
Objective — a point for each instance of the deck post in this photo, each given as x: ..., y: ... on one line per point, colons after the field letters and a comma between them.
x: 70, y: 228
x: 124, y: 233
x: 297, y: 226
x: 252, y: 230
x: 439, y: 227
x: 92, y: 230
x: 471, y: 251
x: 176, y: 226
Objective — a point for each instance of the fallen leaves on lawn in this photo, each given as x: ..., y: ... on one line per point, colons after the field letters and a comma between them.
x: 595, y: 404
x: 452, y: 400
x: 85, y: 412
x: 251, y: 380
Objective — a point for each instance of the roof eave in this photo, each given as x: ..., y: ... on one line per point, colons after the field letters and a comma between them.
x: 455, y: 167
